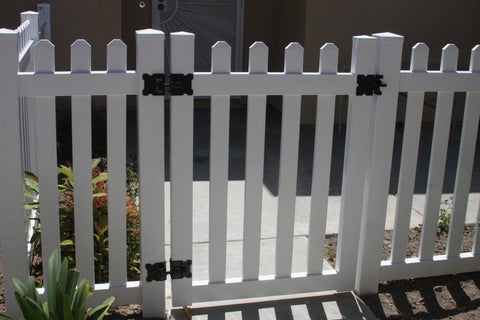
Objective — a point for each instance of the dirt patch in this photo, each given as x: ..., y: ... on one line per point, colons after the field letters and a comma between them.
x: 442, y: 297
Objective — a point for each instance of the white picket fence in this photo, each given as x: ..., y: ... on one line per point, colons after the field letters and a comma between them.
x: 366, y: 174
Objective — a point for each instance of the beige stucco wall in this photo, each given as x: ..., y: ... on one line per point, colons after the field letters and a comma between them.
x: 435, y: 22
x: 315, y: 22
x: 98, y: 22
x: 277, y: 23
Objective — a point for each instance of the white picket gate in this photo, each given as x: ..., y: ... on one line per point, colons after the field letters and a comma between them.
x: 368, y: 154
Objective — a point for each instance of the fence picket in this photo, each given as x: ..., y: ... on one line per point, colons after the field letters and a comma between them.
x: 116, y: 156
x: 465, y: 164
x: 389, y: 57
x: 151, y: 169
x: 46, y: 136
x: 219, y: 136
x: 81, y: 61
x: 12, y: 237
x: 408, y: 166
x: 321, y: 163
x: 438, y: 156
x: 255, y: 149
x: 287, y: 185
x: 82, y: 166
x: 356, y: 148
x: 181, y: 165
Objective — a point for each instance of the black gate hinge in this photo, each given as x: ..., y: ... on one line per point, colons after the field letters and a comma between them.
x: 159, y: 84
x: 178, y: 270
x: 369, y: 84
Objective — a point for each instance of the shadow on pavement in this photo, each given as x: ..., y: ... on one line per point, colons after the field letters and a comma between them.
x: 336, y: 306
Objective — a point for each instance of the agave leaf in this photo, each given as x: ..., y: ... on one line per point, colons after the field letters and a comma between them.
x: 45, y: 307
x: 20, y: 287
x: 98, y: 312
x: 38, y: 308
x: 67, y: 313
x: 5, y: 317
x: 59, y: 298
x: 72, y: 283
x: 51, y: 281
x: 32, y: 291
x: 28, y: 309
x: 63, y: 276
x: 80, y: 298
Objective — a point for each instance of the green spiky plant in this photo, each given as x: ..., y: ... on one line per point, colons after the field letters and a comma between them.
x: 65, y: 300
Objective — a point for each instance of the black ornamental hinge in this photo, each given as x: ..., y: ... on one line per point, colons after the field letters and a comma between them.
x: 178, y: 270
x: 159, y: 84
x: 369, y: 84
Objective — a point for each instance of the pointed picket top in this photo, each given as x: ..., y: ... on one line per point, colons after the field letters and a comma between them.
x: 258, y: 58
x: 221, y: 56
x: 419, y: 62
x: 328, y: 59
x: 44, y: 57
x: 294, y: 58
x: 475, y: 59
x: 116, y: 56
x: 449, y: 58
x: 81, y: 57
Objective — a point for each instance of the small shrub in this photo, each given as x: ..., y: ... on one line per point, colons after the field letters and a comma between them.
x: 100, y: 217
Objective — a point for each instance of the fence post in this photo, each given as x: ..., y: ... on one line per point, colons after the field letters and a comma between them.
x: 150, y: 109
x: 12, y: 228
x: 27, y: 109
x: 181, y: 165
x: 44, y: 20
x: 380, y: 149
x: 356, y: 143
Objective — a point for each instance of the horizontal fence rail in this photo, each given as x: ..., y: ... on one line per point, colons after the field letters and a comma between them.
x: 366, y: 172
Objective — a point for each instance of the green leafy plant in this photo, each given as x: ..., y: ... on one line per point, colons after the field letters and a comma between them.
x: 443, y: 218
x: 331, y: 254
x: 445, y: 215
x: 65, y: 300
x: 100, y: 216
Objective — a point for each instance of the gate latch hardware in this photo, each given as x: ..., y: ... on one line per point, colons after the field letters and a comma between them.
x: 369, y: 84
x: 178, y: 270
x: 159, y: 84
